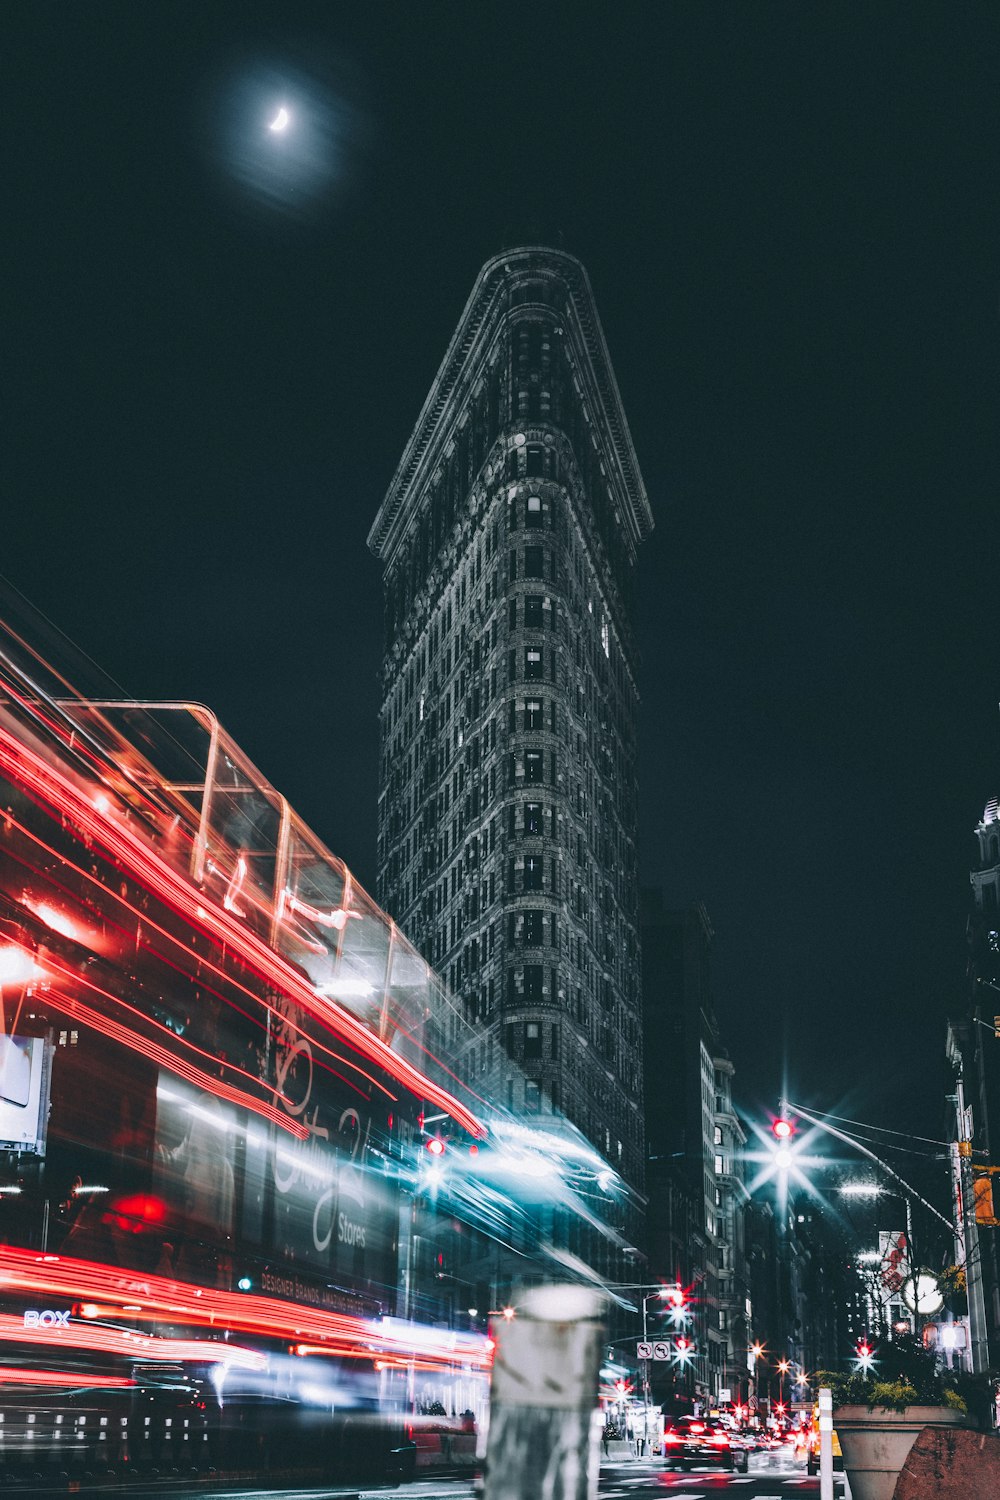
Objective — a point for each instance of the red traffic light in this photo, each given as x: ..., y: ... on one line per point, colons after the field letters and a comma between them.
x: 864, y: 1349
x: 435, y: 1146
x: 783, y: 1129
x: 676, y: 1297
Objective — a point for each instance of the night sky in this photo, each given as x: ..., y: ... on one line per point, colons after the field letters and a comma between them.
x: 215, y: 352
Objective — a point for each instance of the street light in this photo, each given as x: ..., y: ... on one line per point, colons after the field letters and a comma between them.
x: 669, y: 1294
x: 757, y: 1350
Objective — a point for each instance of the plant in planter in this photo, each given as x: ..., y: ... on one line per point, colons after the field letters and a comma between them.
x: 878, y: 1417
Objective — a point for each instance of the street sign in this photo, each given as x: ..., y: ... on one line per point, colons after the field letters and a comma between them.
x: 661, y: 1351
x: 643, y: 1351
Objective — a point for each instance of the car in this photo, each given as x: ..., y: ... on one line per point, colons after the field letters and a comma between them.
x: 812, y: 1453
x: 699, y: 1440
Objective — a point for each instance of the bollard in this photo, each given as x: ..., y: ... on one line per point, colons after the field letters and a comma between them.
x: 825, y: 1443
x: 544, y: 1424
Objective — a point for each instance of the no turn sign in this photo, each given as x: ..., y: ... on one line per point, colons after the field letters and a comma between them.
x: 643, y: 1351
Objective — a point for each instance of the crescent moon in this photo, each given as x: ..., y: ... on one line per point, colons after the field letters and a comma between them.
x: 280, y: 121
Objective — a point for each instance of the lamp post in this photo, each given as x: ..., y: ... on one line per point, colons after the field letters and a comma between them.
x: 756, y: 1349
x: 669, y: 1292
x: 783, y: 1368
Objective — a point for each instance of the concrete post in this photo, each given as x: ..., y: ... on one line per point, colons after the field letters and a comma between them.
x: 544, y: 1437
x: 825, y: 1443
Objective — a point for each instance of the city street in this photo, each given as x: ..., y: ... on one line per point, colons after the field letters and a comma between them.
x: 771, y: 1477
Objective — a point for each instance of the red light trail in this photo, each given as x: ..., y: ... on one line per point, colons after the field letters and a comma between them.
x: 160, y: 1298
x: 132, y: 1345
x: 44, y: 781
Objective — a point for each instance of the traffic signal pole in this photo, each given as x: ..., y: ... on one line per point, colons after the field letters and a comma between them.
x: 970, y: 1234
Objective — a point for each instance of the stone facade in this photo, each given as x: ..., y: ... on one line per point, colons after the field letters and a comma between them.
x: 508, y: 785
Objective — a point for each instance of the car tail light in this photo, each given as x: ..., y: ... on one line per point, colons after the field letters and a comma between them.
x: 697, y: 1427
x: 719, y: 1440
x: 672, y: 1437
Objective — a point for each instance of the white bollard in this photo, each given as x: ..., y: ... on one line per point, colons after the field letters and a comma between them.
x: 825, y: 1443
x: 544, y: 1437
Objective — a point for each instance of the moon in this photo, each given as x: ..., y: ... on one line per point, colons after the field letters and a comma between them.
x: 280, y: 121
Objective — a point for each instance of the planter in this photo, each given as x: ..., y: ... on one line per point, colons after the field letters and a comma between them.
x: 875, y: 1443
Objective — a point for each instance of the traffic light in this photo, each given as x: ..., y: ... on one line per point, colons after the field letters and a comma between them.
x: 864, y: 1349
x: 982, y: 1196
x: 435, y: 1145
x: 782, y: 1129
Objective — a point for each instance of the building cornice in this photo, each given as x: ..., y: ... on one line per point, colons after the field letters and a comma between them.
x: 490, y: 300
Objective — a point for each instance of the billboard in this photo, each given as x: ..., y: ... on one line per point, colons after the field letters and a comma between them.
x: 24, y: 1093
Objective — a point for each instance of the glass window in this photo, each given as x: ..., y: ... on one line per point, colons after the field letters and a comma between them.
x: 533, y: 665
x: 533, y: 617
x: 532, y: 928
x: 532, y: 1039
x: 533, y: 766
x: 533, y: 714
x: 532, y: 817
x: 532, y: 1096
x: 533, y: 562
x: 533, y: 873
x: 534, y: 511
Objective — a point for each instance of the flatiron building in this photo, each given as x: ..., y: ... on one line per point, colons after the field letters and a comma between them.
x: 508, y: 803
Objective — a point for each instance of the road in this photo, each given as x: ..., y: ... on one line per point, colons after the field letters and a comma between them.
x: 771, y: 1477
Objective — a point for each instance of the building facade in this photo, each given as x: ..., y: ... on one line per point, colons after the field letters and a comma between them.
x: 974, y: 1056
x: 508, y: 783
x: 694, y: 1137
x: 735, y: 1309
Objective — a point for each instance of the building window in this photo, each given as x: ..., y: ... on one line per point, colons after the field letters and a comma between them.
x: 532, y: 1039
x: 533, y: 617
x: 532, y: 873
x: 717, y: 1135
x: 533, y: 665
x: 534, y: 510
x: 718, y: 1164
x: 533, y: 714
x: 532, y: 1096
x: 533, y: 765
x: 532, y: 928
x: 533, y: 562
x: 533, y: 982
x: 533, y: 817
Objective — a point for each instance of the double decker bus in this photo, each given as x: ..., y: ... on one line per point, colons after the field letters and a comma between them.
x: 220, y: 1068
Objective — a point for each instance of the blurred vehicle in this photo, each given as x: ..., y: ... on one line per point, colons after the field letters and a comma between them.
x: 698, y: 1440
x: 812, y: 1452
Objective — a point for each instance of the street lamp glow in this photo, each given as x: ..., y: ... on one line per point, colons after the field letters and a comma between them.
x: 861, y: 1190
x: 17, y: 965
